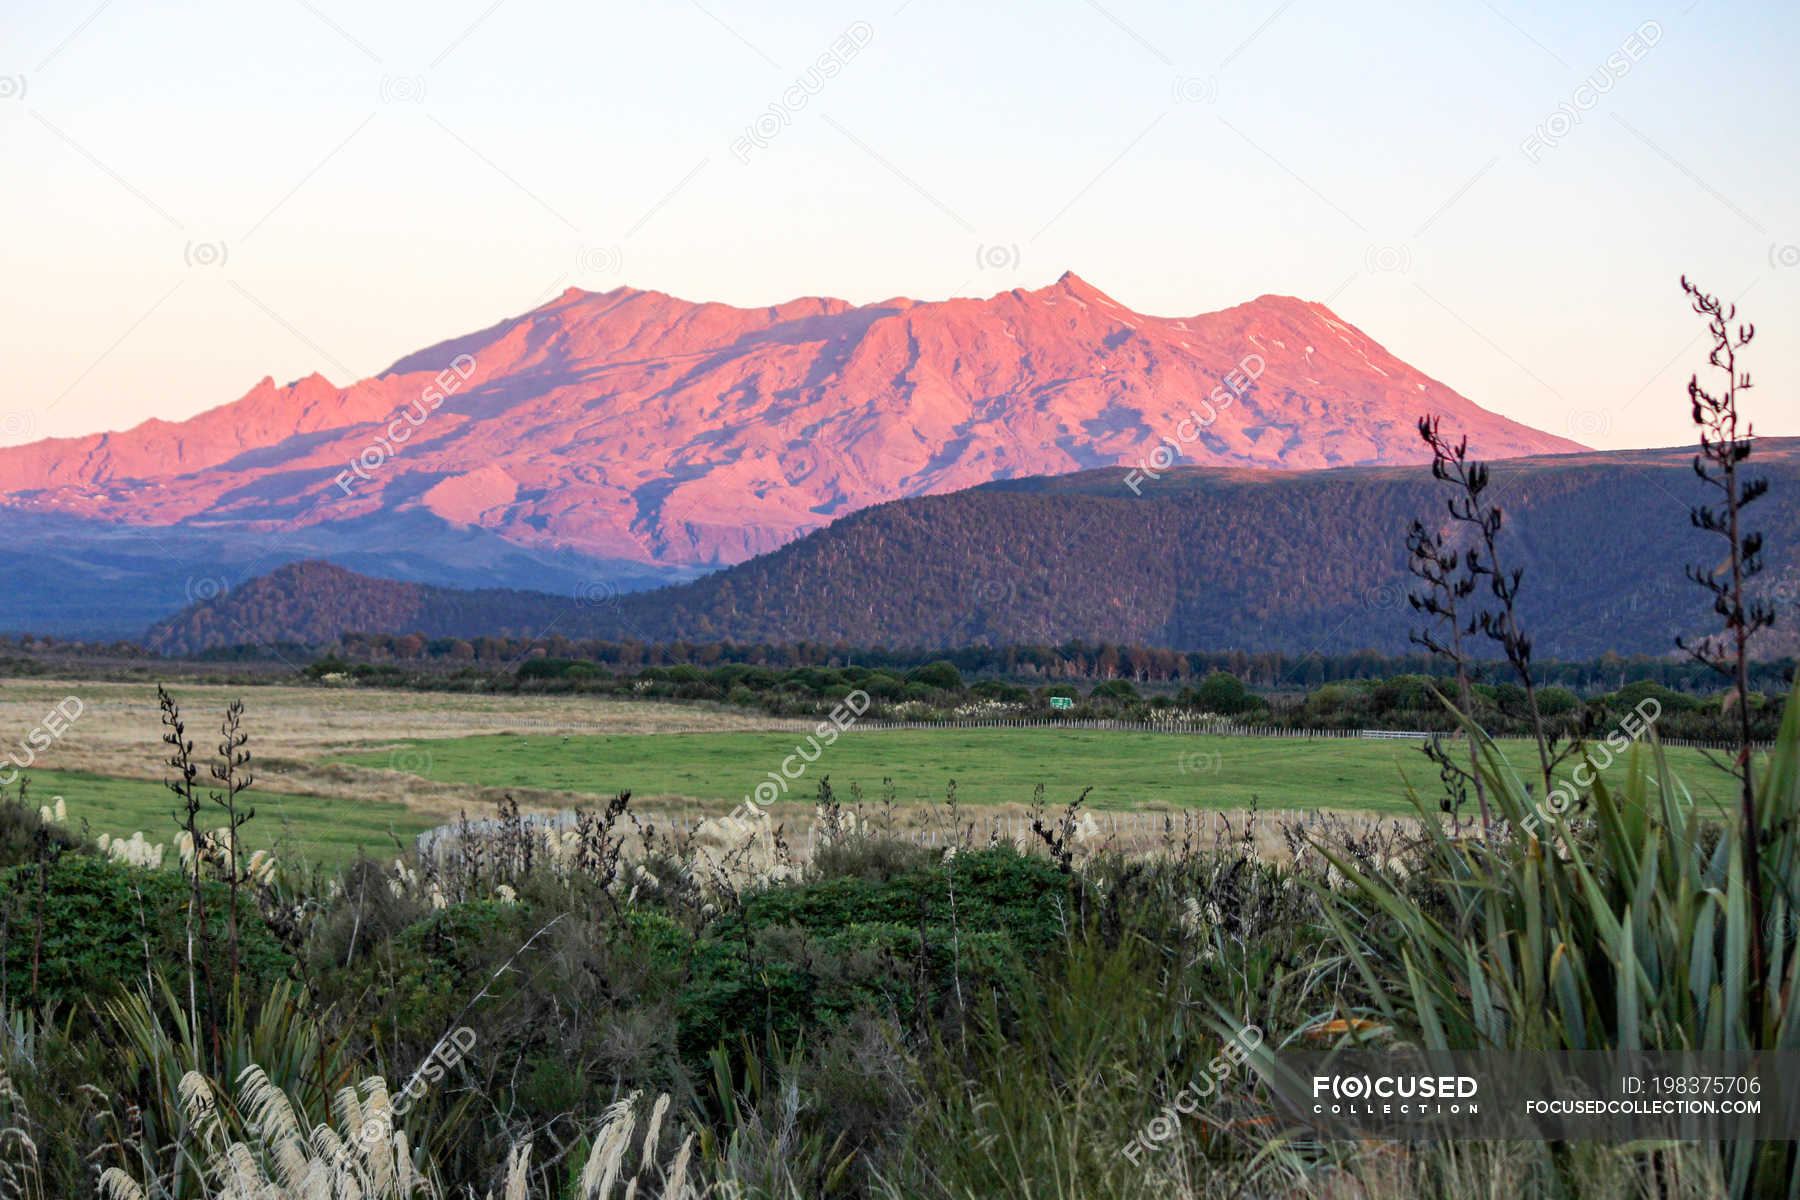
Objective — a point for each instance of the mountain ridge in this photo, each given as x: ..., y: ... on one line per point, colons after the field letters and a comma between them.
x: 631, y: 425
x: 1205, y: 559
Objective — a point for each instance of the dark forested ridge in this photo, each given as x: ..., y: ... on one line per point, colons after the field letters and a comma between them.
x: 1198, y: 559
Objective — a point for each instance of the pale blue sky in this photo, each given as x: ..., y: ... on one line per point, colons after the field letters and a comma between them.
x: 381, y: 176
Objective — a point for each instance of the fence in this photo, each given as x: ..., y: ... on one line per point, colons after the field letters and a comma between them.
x: 1110, y: 724
x: 1192, y: 729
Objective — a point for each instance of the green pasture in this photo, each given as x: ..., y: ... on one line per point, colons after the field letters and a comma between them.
x: 990, y: 766
x: 298, y: 828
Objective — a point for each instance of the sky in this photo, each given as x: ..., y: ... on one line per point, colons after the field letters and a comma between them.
x: 200, y: 194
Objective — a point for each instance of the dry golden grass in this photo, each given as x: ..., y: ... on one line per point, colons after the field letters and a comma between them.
x: 293, y: 729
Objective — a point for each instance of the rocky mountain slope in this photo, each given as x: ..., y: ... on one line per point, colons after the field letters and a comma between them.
x: 630, y: 426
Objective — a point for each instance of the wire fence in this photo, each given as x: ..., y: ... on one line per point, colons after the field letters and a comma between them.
x: 1206, y: 729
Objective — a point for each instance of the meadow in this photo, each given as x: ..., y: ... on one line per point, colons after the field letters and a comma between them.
x: 313, y: 829
x: 715, y: 1016
x: 340, y: 769
x: 1126, y: 770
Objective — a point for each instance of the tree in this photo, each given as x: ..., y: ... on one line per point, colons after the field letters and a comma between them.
x: 940, y: 674
x: 1222, y: 693
x: 1115, y: 689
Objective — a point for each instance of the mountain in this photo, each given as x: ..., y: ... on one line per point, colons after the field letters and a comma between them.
x: 1200, y: 559
x: 630, y: 437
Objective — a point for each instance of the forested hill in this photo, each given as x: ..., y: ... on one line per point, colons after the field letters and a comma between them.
x: 1198, y: 559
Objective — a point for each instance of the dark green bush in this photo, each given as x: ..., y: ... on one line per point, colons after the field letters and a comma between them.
x: 1556, y: 701
x: 996, y: 890
x: 104, y: 923
x: 556, y: 668
x: 1222, y: 693
x: 24, y: 835
x: 941, y: 675
x: 1006, y: 693
x: 883, y: 685
x: 1634, y: 694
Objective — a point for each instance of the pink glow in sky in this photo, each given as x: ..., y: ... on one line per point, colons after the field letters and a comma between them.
x: 1503, y: 194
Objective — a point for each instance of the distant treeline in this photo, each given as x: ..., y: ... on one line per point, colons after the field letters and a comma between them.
x: 1072, y: 660
x: 938, y: 691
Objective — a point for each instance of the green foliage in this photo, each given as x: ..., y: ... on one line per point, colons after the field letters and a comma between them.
x: 25, y: 836
x: 1557, y: 701
x: 1627, y: 930
x: 555, y: 668
x: 1221, y: 692
x: 1633, y: 694
x: 1005, y: 693
x: 884, y: 685
x: 813, y: 955
x: 331, y: 664
x: 941, y: 675
x: 1045, y: 1101
x: 106, y: 926
x: 1333, y: 704
x: 996, y: 890
x: 791, y: 982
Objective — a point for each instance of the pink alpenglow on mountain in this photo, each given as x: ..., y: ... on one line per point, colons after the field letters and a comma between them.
x: 632, y: 425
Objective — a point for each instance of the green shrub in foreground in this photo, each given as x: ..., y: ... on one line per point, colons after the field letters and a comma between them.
x: 106, y: 925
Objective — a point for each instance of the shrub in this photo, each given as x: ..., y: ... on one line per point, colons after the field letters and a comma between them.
x: 875, y: 859
x: 556, y: 668
x: 1405, y: 693
x: 24, y: 835
x: 1006, y: 693
x: 997, y: 890
x: 105, y: 923
x: 742, y: 674
x: 1223, y: 693
x: 1634, y: 694
x: 1556, y: 701
x: 368, y: 913
x: 884, y: 685
x: 941, y: 675
x: 1116, y: 689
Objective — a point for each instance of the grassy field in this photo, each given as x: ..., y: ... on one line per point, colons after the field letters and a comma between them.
x: 990, y: 766
x: 338, y: 768
x: 298, y: 828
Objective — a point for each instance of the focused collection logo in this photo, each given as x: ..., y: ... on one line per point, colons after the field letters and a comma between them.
x: 1395, y: 1095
